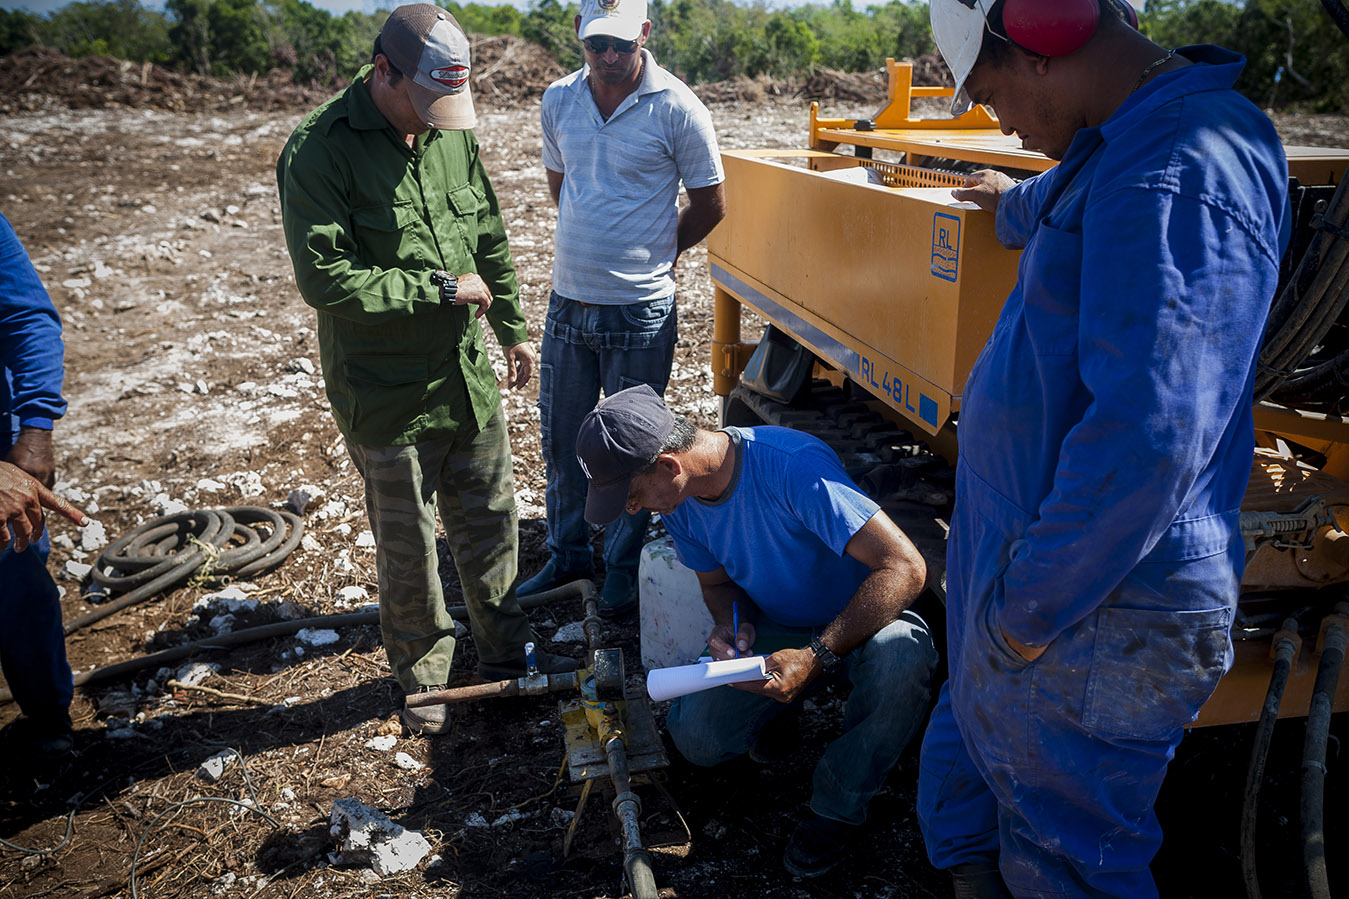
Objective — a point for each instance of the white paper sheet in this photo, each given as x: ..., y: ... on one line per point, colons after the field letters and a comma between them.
x: 667, y: 683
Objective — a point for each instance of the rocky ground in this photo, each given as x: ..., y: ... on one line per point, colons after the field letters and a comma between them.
x: 193, y: 382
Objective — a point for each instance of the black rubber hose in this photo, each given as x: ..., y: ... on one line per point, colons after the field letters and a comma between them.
x: 1338, y: 14
x: 1311, y: 301
x: 1314, y: 760
x: 1284, y: 650
x: 166, y: 552
x: 276, y: 629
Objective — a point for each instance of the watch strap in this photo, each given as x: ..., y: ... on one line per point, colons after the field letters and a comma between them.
x: 828, y: 658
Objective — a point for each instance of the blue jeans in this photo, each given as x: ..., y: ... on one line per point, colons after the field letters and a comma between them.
x: 891, y: 677
x: 587, y: 349
x: 32, y: 637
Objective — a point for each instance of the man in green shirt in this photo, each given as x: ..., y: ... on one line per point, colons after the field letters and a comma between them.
x: 395, y: 236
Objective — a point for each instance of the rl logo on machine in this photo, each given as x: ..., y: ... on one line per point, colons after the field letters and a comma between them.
x: 945, y: 245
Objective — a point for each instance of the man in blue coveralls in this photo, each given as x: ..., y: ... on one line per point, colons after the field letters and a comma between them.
x: 1106, y: 441
x: 32, y: 639
x: 791, y: 557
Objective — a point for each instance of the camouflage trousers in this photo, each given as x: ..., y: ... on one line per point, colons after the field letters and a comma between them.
x: 468, y: 477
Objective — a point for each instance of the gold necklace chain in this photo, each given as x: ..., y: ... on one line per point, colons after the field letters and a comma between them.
x: 1170, y: 54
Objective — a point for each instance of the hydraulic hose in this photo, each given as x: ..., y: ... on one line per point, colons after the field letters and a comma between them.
x: 265, y: 632
x: 1310, y: 303
x: 628, y: 810
x: 1314, y: 755
x: 1338, y: 14
x: 1286, y: 646
x: 166, y: 552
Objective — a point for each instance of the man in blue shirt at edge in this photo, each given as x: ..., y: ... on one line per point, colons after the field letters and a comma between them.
x: 1106, y: 440
x: 783, y: 542
x: 32, y: 637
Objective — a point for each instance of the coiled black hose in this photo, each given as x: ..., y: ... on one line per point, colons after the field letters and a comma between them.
x: 1314, y: 759
x: 1309, y: 305
x: 1285, y: 648
x: 166, y: 552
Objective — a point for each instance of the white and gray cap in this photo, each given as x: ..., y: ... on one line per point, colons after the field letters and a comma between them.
x: 426, y: 44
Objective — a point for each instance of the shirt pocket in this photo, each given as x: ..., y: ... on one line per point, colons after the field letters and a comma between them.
x: 387, y: 235
x: 1051, y: 291
x: 388, y: 393
x: 466, y: 203
x: 635, y: 167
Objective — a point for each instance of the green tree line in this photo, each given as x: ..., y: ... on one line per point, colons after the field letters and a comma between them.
x: 1296, y: 55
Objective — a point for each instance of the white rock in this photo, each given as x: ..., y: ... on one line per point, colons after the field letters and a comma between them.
x: 366, y: 539
x: 352, y: 596
x: 233, y: 598
x: 94, y: 537
x: 382, y: 743
x: 407, y: 762
x: 310, y: 544
x: 571, y: 633
x: 476, y: 820
x: 63, y: 541
x: 165, y: 505
x: 510, y: 817
x: 214, y: 766
x: 77, y: 571
x: 369, y: 837
x: 300, y: 498
x: 316, y: 636
x: 221, y: 624
x: 194, y: 674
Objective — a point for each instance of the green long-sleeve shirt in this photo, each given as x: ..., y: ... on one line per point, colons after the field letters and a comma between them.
x: 367, y: 220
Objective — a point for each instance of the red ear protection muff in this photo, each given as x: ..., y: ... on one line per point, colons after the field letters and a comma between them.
x: 1050, y: 27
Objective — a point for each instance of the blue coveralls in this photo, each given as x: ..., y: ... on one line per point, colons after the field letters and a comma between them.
x: 32, y: 640
x: 1106, y: 442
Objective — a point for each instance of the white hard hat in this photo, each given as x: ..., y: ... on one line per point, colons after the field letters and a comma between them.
x: 958, y: 26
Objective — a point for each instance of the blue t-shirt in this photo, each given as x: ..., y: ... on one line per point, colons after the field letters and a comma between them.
x: 781, y: 527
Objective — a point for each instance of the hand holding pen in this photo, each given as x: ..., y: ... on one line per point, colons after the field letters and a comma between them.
x: 731, y: 641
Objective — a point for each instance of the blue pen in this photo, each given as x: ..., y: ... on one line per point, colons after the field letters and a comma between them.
x: 735, y: 629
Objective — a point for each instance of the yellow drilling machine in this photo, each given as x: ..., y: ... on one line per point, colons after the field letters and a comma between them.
x: 875, y: 292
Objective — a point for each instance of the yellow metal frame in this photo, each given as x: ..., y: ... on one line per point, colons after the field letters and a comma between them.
x: 786, y: 214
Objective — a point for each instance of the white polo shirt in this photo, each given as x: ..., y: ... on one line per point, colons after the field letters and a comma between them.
x: 618, y: 210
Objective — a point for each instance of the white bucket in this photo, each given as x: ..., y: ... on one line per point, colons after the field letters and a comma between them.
x: 675, y: 621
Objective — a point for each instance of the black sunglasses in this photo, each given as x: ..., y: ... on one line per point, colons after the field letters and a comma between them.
x: 601, y: 45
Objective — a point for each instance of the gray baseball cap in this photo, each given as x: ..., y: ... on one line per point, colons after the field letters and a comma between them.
x: 426, y: 44
x: 617, y: 439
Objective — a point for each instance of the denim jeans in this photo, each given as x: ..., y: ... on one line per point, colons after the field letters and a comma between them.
x: 587, y: 349
x: 32, y: 638
x: 891, y: 677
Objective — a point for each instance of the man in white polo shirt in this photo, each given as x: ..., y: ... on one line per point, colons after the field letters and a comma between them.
x: 618, y: 137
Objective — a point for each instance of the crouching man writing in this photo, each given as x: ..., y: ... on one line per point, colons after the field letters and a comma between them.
x: 786, y: 545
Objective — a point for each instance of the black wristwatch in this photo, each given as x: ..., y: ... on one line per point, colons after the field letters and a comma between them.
x: 449, y: 285
x: 827, y: 658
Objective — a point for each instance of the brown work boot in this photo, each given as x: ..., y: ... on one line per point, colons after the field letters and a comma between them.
x: 428, y: 720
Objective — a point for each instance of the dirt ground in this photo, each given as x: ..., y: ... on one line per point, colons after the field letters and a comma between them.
x: 192, y: 376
